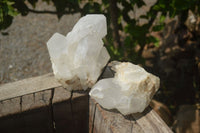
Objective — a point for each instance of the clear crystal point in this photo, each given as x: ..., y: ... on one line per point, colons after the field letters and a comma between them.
x: 78, y: 58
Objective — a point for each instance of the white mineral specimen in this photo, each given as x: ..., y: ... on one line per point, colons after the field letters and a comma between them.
x: 78, y: 59
x: 130, y: 91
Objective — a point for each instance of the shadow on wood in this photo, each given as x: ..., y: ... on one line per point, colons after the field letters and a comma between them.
x: 40, y: 105
x: 105, y: 121
x: 55, y: 110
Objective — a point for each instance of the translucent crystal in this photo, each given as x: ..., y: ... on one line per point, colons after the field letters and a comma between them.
x: 78, y: 59
x: 130, y: 91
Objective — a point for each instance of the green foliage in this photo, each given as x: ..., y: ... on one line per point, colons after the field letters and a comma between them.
x: 135, y: 34
x: 11, y: 8
x: 7, y: 12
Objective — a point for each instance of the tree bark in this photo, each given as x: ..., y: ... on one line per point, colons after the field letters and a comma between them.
x: 114, y: 23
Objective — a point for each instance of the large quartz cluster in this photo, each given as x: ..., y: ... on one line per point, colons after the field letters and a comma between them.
x: 78, y: 58
x: 130, y: 91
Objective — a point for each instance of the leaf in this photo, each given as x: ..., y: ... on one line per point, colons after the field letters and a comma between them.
x: 127, y: 41
x: 157, y: 43
x: 127, y: 5
x: 105, y: 2
x: 140, y: 3
x: 162, y: 18
x: 158, y: 27
x: 119, y: 19
x: 1, y: 15
x: 10, y: 3
x: 96, y: 7
x: 21, y: 7
x: 7, y: 21
x: 154, y: 40
x: 32, y: 2
x: 11, y: 11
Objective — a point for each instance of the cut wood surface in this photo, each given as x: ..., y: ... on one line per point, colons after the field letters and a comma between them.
x: 27, y: 86
x: 104, y: 121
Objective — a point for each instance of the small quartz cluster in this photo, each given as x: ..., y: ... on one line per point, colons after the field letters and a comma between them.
x: 78, y: 58
x: 130, y: 91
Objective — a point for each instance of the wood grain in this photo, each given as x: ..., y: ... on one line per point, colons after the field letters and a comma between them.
x: 28, y: 86
x: 29, y: 113
x: 42, y: 100
x: 10, y: 106
x: 106, y: 121
x: 151, y: 122
x: 54, y: 110
x: 70, y: 111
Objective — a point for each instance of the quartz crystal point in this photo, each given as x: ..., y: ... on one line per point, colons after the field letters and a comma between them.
x: 78, y: 58
x: 130, y: 91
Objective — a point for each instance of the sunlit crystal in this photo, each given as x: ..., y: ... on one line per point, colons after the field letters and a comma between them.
x: 78, y: 59
x: 130, y: 91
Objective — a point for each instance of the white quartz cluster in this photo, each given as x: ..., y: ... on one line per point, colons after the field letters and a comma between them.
x: 130, y: 91
x: 78, y: 58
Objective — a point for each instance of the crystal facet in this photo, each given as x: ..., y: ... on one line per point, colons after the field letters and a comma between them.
x: 78, y: 59
x: 130, y: 91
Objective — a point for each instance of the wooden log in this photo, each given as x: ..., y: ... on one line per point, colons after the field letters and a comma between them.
x: 104, y: 121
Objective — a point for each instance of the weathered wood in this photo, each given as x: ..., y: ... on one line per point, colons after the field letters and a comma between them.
x: 11, y: 106
x: 60, y: 94
x: 31, y: 114
x: 35, y: 100
x: 21, y: 104
x: 62, y: 109
x: 163, y: 111
x: 80, y: 112
x: 102, y: 121
x: 40, y: 104
x: 151, y: 122
x: 70, y: 111
x: 25, y: 103
x: 50, y: 110
x: 92, y: 110
x: 28, y: 86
